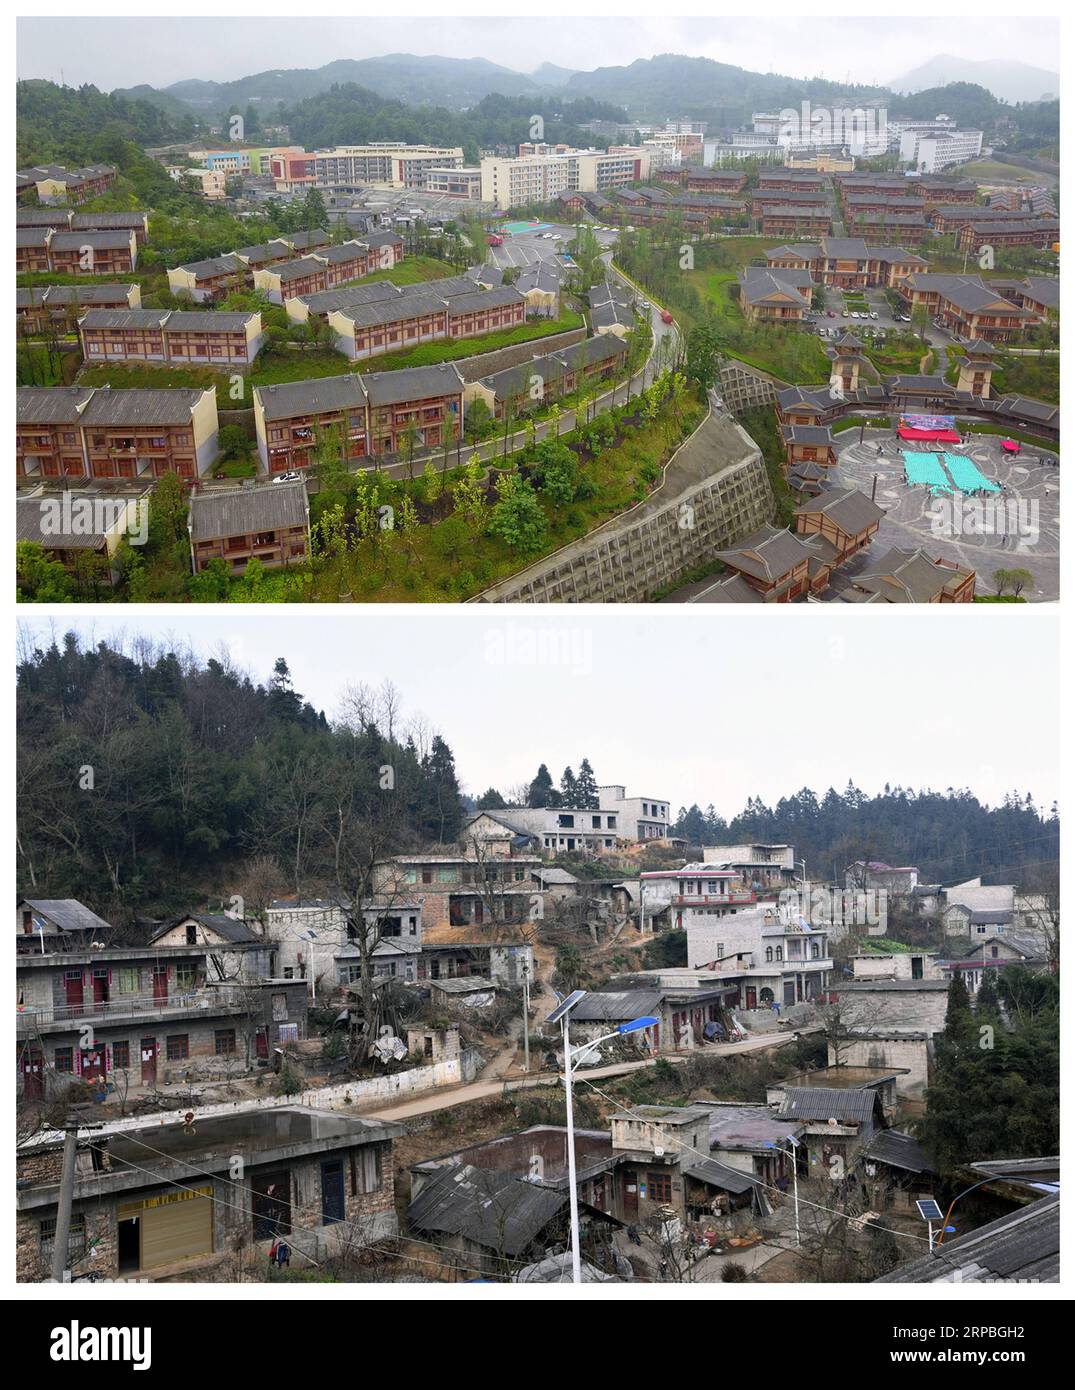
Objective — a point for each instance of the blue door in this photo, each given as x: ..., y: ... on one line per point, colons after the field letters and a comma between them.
x: 332, y: 1192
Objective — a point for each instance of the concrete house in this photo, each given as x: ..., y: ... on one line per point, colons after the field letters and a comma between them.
x: 318, y: 1180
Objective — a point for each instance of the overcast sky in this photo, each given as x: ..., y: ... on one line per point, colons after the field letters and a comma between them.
x: 678, y: 703
x: 123, y: 52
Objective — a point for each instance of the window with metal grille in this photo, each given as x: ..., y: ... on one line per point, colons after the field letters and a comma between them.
x: 76, y: 1238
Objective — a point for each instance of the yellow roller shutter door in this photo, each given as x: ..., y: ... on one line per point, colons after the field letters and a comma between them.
x: 176, y: 1232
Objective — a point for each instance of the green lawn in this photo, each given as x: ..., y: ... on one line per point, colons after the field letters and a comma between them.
x: 1022, y: 374
x: 414, y: 568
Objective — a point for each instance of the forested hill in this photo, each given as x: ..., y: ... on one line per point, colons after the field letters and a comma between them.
x: 83, y: 124
x: 949, y: 835
x: 149, y: 783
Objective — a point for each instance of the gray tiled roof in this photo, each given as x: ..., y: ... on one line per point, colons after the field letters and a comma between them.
x: 492, y: 1209
x: 851, y: 510
x: 319, y: 396
x: 109, y: 406
x: 412, y: 384
x: 1020, y: 1247
x: 273, y: 507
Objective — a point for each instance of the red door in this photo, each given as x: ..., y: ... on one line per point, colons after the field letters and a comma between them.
x: 261, y: 1042
x: 33, y: 1075
x: 160, y: 984
x: 630, y: 1194
x: 100, y: 986
x: 149, y: 1061
x: 93, y: 1063
x: 752, y: 997
x: 73, y: 983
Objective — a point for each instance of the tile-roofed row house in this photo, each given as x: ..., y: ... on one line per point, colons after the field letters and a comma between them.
x: 876, y: 227
x: 268, y: 523
x: 61, y: 306
x: 788, y: 219
x: 56, y: 184
x: 47, y: 251
x: 1029, y: 231
x: 326, y: 268
x: 212, y: 279
x: 390, y: 325
x: 101, y: 432
x: 368, y: 415
x: 171, y: 337
x: 547, y: 378
x: 64, y: 220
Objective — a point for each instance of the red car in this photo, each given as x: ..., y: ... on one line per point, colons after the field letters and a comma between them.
x: 666, y: 317
x: 494, y: 240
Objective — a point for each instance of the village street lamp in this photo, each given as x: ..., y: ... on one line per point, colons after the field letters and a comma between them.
x: 561, y: 1014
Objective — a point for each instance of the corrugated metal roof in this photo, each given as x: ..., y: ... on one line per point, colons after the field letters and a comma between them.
x: 718, y: 1175
x: 822, y: 1103
x: 614, y: 1006
x: 899, y: 1150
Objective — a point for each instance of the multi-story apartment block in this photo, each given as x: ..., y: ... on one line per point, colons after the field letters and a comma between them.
x: 381, y: 164
x: 929, y: 152
x: 171, y: 337
x: 863, y: 266
x: 376, y: 413
x: 540, y: 178
x: 270, y: 524
x: 210, y: 183
x: 55, y: 184
x: 87, y: 432
x: 463, y: 183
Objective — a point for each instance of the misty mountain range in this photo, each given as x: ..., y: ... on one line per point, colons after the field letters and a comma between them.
x: 649, y: 88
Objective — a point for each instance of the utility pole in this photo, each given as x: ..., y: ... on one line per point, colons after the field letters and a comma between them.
x: 66, y: 1198
x: 526, y: 1018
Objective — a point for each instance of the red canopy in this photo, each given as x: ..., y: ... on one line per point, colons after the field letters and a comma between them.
x: 940, y: 436
x: 1009, y: 446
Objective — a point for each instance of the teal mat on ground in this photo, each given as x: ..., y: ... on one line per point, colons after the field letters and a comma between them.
x: 926, y: 468
x: 966, y: 474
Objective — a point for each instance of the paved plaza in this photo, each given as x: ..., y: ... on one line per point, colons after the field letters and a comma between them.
x: 1017, y: 528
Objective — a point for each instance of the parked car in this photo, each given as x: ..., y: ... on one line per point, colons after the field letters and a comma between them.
x: 288, y: 478
x: 666, y: 317
x: 831, y: 313
x: 875, y: 316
